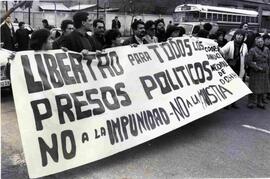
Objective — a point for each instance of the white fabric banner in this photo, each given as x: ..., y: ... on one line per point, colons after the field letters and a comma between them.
x: 73, y: 111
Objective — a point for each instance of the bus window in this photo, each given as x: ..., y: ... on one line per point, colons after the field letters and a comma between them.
x: 202, y: 15
x: 209, y: 16
x: 256, y: 19
x: 219, y: 17
x: 225, y: 17
x: 243, y: 18
x: 238, y: 18
x: 195, y: 15
x: 214, y: 17
x: 229, y: 18
x: 234, y: 18
x: 247, y: 19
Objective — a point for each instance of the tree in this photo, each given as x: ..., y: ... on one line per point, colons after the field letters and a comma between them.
x: 21, y: 4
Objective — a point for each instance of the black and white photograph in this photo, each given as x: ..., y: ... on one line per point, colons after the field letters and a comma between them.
x: 132, y: 89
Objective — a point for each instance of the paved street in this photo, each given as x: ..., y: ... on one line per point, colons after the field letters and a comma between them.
x: 227, y: 143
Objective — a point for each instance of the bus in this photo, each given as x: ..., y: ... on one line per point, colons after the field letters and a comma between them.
x: 226, y: 18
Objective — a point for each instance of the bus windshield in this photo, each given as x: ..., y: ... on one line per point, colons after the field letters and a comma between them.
x: 191, y: 16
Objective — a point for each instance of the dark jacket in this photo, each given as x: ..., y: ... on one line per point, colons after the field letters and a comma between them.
x: 161, y: 36
x: 58, y: 43
x: 97, y: 42
x: 116, y: 25
x: 76, y: 41
x: 132, y: 40
x: 22, y: 36
x: 8, y: 37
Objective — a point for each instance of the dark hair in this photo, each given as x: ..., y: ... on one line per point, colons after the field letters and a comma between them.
x: 207, y: 26
x: 149, y: 24
x: 242, y: 24
x: 65, y: 23
x: 240, y: 31
x: 266, y: 36
x: 212, y: 36
x: 196, y: 29
x: 135, y: 24
x: 21, y: 24
x: 220, y: 32
x: 45, y: 21
x: 111, y: 35
x: 78, y: 18
x: 38, y: 38
x: 98, y: 21
x: 182, y: 31
x: 173, y: 28
x: 158, y: 21
x: 203, y: 33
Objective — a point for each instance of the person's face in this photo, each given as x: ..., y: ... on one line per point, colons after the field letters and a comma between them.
x: 116, y: 42
x: 140, y: 31
x: 239, y: 37
x: 22, y: 26
x: 175, y: 33
x: 260, y: 42
x: 8, y: 19
x: 267, y: 42
x: 160, y: 26
x: 48, y: 44
x: 220, y: 37
x: 151, y: 30
x: 88, y: 24
x: 69, y: 29
x: 99, y: 29
x: 245, y: 27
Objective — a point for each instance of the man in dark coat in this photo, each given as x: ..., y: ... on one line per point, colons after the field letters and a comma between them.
x: 116, y: 24
x: 98, y: 39
x: 22, y: 35
x: 67, y: 27
x: 46, y: 24
x: 138, y: 34
x: 160, y: 30
x: 8, y: 35
x: 79, y: 40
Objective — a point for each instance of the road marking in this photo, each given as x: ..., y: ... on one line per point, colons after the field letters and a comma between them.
x: 255, y: 128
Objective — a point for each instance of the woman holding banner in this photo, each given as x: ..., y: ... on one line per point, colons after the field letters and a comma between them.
x: 234, y: 53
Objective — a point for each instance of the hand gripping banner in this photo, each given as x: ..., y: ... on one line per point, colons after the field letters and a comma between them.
x: 73, y: 110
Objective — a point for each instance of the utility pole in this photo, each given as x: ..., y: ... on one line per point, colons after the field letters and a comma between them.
x: 55, y: 14
x: 29, y: 13
x: 6, y: 6
x: 97, y: 8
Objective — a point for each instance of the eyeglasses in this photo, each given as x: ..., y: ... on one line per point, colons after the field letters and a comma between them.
x: 70, y: 28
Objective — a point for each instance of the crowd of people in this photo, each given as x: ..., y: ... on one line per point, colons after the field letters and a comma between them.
x: 247, y: 53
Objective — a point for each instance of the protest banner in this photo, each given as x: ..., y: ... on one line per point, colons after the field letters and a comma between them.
x: 73, y: 110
